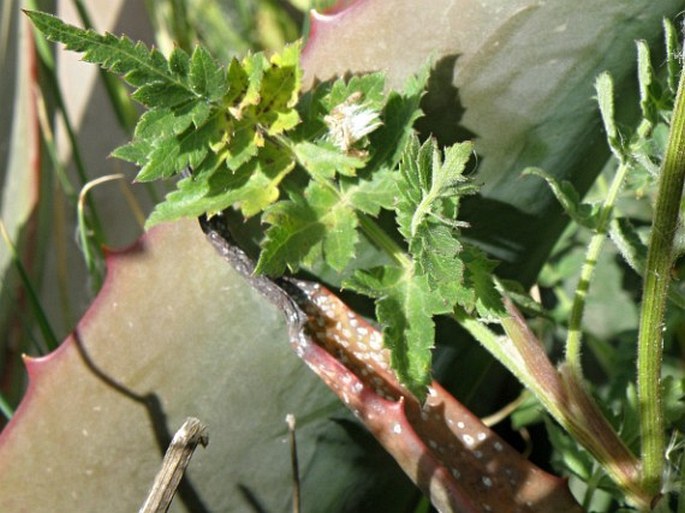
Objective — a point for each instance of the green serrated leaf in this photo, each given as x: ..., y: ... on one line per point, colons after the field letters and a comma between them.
x: 171, y: 155
x: 272, y: 110
x: 237, y: 80
x: 204, y: 192
x: 369, y: 196
x: 323, y: 160
x: 370, y: 87
x: 179, y: 62
x: 241, y: 143
x: 254, y: 66
x: 163, y: 94
x: 415, y: 85
x: 340, y: 222
x: 582, y: 213
x: 279, y: 91
x: 429, y: 191
x: 405, y: 307
x: 134, y: 61
x: 479, y: 284
x: 213, y: 187
x: 436, y: 253
x: 136, y: 151
x: 427, y: 183
x: 295, y: 230
x: 159, y: 124
x: 261, y: 188
x: 206, y: 77
x: 319, y: 222
x: 399, y: 114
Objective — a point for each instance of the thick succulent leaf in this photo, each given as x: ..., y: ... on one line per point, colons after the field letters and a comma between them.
x: 525, y: 72
x: 459, y: 463
x: 175, y: 332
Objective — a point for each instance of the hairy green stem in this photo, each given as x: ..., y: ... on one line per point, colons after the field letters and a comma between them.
x: 655, y: 290
x: 574, y: 338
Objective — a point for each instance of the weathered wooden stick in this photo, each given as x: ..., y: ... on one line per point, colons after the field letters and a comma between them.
x: 290, y: 420
x: 176, y: 459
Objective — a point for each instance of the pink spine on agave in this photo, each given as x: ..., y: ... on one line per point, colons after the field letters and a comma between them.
x: 457, y: 461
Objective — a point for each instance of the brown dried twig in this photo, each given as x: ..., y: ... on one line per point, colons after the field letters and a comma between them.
x: 176, y: 459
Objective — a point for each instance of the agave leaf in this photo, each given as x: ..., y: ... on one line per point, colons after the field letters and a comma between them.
x: 458, y: 462
x: 522, y: 86
x: 20, y: 175
x: 175, y: 332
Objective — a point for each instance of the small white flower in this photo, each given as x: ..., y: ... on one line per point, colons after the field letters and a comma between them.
x: 350, y: 121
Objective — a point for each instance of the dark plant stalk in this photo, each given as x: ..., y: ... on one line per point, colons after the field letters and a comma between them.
x: 655, y: 290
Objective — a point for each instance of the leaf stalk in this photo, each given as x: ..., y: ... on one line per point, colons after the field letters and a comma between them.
x: 380, y: 238
x: 574, y: 337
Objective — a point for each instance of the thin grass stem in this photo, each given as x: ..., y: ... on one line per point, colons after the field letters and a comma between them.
x: 50, y: 341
